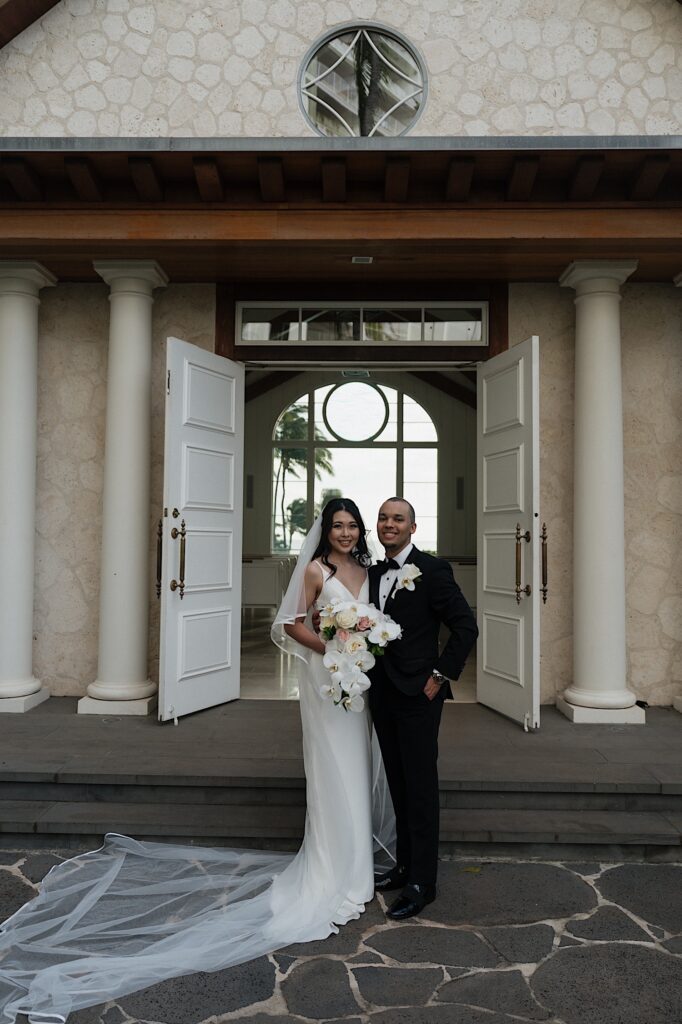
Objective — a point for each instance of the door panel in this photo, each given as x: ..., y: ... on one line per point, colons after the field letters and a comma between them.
x: 203, y: 472
x: 508, y: 667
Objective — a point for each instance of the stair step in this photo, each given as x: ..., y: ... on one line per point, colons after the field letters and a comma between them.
x: 273, y: 823
x: 559, y: 826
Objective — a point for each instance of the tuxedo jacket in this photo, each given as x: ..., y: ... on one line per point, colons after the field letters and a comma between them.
x: 436, y: 598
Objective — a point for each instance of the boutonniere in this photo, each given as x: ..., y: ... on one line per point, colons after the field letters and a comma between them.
x: 408, y: 575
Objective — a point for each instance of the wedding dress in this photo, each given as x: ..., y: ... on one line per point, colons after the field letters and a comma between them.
x: 132, y: 914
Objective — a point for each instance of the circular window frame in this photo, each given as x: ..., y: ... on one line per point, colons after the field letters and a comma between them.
x: 370, y: 26
x: 350, y: 440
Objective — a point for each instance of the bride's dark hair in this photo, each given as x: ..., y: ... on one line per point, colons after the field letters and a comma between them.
x: 323, y: 549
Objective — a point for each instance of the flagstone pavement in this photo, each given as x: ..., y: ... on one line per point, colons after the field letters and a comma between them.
x: 506, y: 941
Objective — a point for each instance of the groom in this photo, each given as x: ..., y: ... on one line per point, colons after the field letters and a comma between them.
x: 409, y: 684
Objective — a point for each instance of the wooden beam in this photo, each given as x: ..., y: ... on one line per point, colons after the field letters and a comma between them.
x: 454, y: 229
x: 16, y: 15
x: 84, y: 179
x: 649, y: 176
x: 586, y: 176
x: 334, y: 180
x: 145, y: 179
x: 271, y: 179
x: 266, y: 384
x: 447, y: 386
x: 23, y: 179
x: 460, y: 177
x: 522, y: 179
x: 207, y: 177
x: 396, y: 180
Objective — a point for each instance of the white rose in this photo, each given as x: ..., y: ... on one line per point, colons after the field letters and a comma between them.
x: 355, y: 644
x: 346, y: 618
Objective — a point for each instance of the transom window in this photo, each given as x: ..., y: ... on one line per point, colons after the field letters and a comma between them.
x: 400, y: 323
x: 360, y: 440
x: 362, y: 80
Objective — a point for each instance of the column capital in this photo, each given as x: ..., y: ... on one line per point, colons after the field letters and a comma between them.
x: 580, y: 272
x: 116, y: 271
x: 27, y: 276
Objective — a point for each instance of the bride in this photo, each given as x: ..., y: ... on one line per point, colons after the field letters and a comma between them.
x: 132, y: 914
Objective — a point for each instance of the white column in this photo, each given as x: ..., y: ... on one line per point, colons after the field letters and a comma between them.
x: 599, y: 692
x: 122, y: 683
x: 677, y: 701
x: 20, y: 283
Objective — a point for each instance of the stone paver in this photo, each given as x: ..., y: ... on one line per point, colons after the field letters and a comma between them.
x: 611, y: 984
x: 397, y: 986
x: 505, y: 991
x: 652, y: 891
x: 196, y: 996
x: 417, y: 944
x: 522, y: 945
x: 582, y: 959
x: 607, y: 924
x: 504, y: 893
x: 319, y: 989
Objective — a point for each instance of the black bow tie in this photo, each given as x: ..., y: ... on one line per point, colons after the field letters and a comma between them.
x: 390, y: 563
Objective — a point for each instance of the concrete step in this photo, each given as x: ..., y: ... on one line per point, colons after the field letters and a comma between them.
x: 282, y: 826
x: 291, y: 793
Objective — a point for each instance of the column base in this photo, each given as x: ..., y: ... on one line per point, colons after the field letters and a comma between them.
x: 677, y: 704
x: 601, y: 716
x: 18, y: 705
x: 121, y: 691
x: 94, y: 706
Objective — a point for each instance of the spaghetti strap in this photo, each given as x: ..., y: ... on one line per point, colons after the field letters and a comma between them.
x: 326, y: 573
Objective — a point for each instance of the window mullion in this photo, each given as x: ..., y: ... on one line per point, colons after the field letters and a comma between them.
x: 399, y: 462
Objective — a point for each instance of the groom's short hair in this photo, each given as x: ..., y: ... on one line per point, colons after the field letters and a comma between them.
x: 413, y: 514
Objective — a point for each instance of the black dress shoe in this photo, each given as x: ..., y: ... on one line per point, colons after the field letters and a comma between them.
x: 396, y: 878
x: 411, y: 901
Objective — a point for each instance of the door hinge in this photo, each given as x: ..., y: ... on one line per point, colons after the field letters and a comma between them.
x: 168, y: 383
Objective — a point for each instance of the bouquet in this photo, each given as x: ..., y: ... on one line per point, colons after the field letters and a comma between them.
x: 354, y: 634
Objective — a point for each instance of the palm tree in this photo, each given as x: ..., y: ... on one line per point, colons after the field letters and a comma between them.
x: 370, y: 75
x: 293, y: 426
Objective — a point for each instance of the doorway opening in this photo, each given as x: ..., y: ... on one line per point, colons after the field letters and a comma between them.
x: 364, y: 434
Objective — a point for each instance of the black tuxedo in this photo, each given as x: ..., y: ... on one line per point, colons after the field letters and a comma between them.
x: 406, y: 721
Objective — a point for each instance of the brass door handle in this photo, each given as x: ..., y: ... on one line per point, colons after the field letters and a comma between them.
x: 519, y: 537
x: 544, y: 588
x: 179, y: 584
x: 159, y: 555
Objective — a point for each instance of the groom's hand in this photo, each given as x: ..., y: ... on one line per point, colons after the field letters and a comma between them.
x: 316, y: 621
x: 431, y: 688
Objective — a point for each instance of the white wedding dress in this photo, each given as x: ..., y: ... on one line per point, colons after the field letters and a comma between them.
x: 132, y: 914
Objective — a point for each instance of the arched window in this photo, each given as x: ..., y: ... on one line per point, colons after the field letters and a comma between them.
x: 358, y: 439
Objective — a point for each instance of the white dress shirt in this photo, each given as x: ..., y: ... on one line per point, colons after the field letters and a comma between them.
x: 389, y: 578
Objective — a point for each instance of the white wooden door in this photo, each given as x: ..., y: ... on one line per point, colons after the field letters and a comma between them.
x: 202, y: 531
x: 508, y: 605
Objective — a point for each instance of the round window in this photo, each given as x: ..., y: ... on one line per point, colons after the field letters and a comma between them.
x: 362, y: 80
x: 355, y: 412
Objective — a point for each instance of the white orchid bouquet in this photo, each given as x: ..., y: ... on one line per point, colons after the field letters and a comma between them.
x: 355, y: 634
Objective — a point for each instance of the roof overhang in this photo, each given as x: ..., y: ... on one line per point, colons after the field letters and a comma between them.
x: 436, y: 209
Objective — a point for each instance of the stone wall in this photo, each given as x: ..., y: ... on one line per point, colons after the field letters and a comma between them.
x: 72, y: 366
x: 227, y: 68
x: 652, y: 419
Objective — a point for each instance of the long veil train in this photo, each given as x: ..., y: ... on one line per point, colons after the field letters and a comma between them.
x: 132, y: 914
